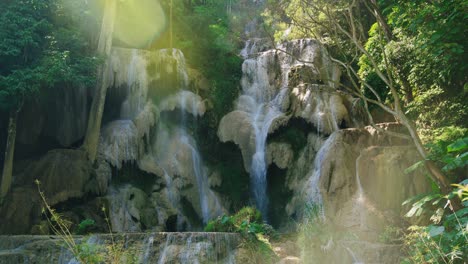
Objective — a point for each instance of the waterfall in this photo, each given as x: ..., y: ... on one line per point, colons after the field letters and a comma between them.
x: 258, y: 100
x: 158, y: 144
x: 206, y: 195
x: 137, y: 96
x: 146, y: 253
x: 312, y: 189
x: 144, y: 248
x: 265, y: 86
x: 198, y: 248
x: 183, y: 145
x: 193, y: 104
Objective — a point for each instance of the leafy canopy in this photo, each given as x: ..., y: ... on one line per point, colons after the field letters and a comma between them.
x: 40, y: 46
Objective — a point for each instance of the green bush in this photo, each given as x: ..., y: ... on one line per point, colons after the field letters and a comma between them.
x: 84, y: 226
x: 247, y: 220
x: 255, y: 234
x: 451, y: 155
x: 221, y: 224
x: 445, y: 240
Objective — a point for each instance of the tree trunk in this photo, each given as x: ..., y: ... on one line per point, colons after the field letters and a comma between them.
x: 7, y: 175
x: 91, y: 141
x: 435, y: 172
x: 381, y: 20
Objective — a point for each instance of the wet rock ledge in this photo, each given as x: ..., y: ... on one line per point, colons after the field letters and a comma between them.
x: 187, y: 247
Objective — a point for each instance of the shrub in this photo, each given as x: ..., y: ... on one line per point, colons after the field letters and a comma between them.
x: 445, y: 240
x: 255, y: 234
x: 84, y: 226
x: 247, y: 220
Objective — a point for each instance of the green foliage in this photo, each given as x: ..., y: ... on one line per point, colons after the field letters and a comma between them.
x: 221, y: 224
x: 391, y: 235
x: 437, y: 107
x: 438, y: 31
x: 40, y: 47
x: 425, y: 58
x: 203, y: 30
x: 367, y: 71
x: 89, y: 253
x: 427, y: 53
x: 85, y: 225
x: 452, y: 155
x: 255, y: 233
x: 447, y: 134
x: 445, y: 240
x: 247, y: 220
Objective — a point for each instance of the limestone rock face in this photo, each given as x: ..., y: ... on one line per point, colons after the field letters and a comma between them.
x: 146, y: 119
x: 129, y: 210
x: 358, y: 176
x: 184, y: 100
x: 149, y: 87
x: 255, y: 46
x: 70, y: 113
x: 63, y: 174
x: 119, y: 142
x: 280, y: 154
x: 379, y: 170
x: 64, y: 118
x: 297, y: 79
x: 320, y: 105
x: 123, y: 140
x: 149, y: 164
x: 237, y: 127
x: 300, y: 169
x: 139, y: 74
x: 20, y: 210
x: 31, y: 122
x: 333, y: 161
x: 197, y: 81
x: 103, y: 177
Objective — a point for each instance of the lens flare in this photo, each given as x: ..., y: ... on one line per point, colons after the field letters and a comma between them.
x: 138, y: 22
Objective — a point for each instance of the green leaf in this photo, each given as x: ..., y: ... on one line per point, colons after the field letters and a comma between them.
x: 418, y: 207
x: 458, y: 214
x: 458, y: 162
x: 459, y: 145
x: 225, y: 220
x: 435, y: 230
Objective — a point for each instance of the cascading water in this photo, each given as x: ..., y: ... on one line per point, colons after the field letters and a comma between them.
x: 265, y: 84
x: 158, y: 143
x: 204, y: 191
x: 189, y: 103
x: 199, y: 248
x: 143, y: 248
x: 314, y: 197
